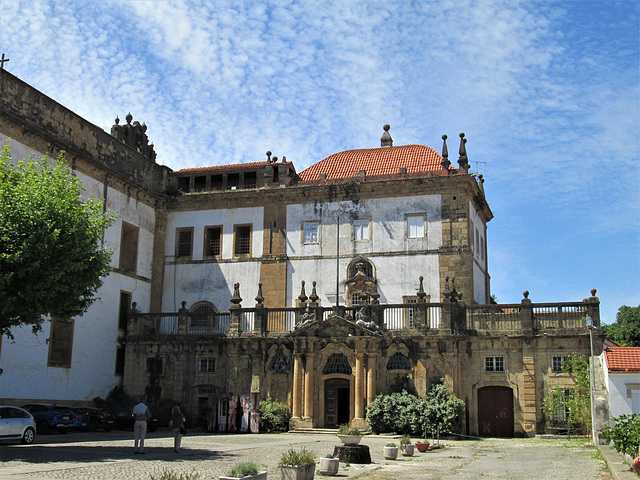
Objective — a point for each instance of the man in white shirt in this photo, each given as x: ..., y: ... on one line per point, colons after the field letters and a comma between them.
x: 141, y: 414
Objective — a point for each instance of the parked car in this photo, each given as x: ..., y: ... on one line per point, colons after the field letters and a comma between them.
x: 80, y: 420
x: 17, y: 424
x: 97, y: 418
x: 125, y: 421
x: 50, y: 417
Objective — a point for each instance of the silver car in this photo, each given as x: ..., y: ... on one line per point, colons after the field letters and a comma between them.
x: 17, y: 424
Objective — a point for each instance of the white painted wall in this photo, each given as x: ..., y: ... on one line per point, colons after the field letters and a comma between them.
x: 479, y: 247
x: 619, y: 401
x: 397, y: 274
x: 92, y: 373
x: 211, y: 280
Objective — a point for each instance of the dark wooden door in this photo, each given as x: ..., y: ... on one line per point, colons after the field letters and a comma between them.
x: 495, y: 412
x: 336, y: 402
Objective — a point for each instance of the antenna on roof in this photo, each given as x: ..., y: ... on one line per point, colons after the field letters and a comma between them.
x: 478, y: 166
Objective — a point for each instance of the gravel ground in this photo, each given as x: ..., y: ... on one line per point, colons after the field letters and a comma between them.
x: 109, y: 456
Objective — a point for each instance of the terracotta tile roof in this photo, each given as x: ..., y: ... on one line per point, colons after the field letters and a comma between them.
x: 376, y: 162
x: 224, y: 168
x: 623, y: 359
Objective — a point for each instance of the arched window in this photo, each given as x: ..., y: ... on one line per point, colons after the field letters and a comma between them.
x: 367, y: 267
x: 198, y: 323
x: 280, y: 364
x: 337, y: 363
x: 398, y: 362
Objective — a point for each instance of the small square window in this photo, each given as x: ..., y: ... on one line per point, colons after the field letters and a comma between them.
x: 361, y: 229
x: 415, y: 226
x: 207, y: 365
x: 494, y: 364
x: 310, y: 233
x: 557, y: 363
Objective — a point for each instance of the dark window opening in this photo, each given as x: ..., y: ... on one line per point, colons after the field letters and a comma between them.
x: 183, y: 184
x: 233, y: 181
x: 199, y: 183
x: 337, y: 363
x: 243, y: 240
x: 216, y: 181
x: 125, y: 305
x: 185, y: 236
x: 120, y: 361
x: 154, y: 365
x: 61, y: 343
x: 213, y: 241
x: 129, y: 248
x: 250, y: 180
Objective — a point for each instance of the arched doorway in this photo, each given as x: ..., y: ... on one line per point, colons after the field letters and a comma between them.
x: 495, y: 412
x: 337, y: 401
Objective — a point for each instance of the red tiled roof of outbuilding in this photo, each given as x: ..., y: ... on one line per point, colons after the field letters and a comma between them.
x: 222, y: 168
x: 375, y: 162
x: 623, y: 359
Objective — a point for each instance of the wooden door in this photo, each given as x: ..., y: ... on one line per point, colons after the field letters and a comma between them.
x: 337, y: 401
x: 495, y: 412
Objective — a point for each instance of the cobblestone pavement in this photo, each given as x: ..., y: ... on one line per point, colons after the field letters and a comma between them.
x: 109, y: 456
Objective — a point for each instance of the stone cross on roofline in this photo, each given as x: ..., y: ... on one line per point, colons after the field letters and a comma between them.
x: 2, y: 60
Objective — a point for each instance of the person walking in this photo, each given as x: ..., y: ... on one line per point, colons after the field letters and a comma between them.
x: 141, y: 414
x: 177, y: 419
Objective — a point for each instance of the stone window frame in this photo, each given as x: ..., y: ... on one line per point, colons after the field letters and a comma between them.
x: 207, y: 240
x: 408, y: 216
x: 494, y: 364
x: 335, y: 362
x: 207, y: 365
x: 280, y: 363
x: 305, y: 240
x: 61, y: 343
x: 409, y: 313
x: 361, y: 221
x: 398, y: 362
x: 129, y: 240
x: 179, y: 231
x: 236, y: 240
x: 557, y: 363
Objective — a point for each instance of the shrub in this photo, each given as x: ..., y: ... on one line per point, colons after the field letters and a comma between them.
x: 625, y: 434
x: 169, y: 475
x: 346, y: 429
x: 274, y: 416
x: 297, y: 458
x: 243, y: 469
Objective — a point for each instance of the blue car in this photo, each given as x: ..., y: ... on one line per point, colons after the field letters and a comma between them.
x: 50, y: 417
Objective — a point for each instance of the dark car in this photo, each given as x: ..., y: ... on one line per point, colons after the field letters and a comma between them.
x: 50, y: 417
x: 97, y: 418
x: 80, y: 420
x: 125, y: 421
x: 17, y: 424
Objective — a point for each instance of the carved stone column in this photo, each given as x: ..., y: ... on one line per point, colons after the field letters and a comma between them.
x: 308, y: 388
x: 297, y: 386
x: 371, y: 377
x: 359, y: 388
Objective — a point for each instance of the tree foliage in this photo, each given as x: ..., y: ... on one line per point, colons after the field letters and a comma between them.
x: 625, y: 434
x: 626, y: 329
x: 51, y: 260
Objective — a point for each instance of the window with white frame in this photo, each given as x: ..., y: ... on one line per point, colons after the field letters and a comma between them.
x: 557, y: 363
x: 361, y: 229
x: 207, y: 365
x: 415, y: 226
x: 310, y: 233
x: 494, y: 364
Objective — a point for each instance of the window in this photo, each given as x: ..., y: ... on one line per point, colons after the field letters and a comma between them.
x: 199, y: 322
x: 120, y: 361
x: 183, y: 184
x: 154, y: 365
x: 361, y: 229
x: 184, y: 242
x: 207, y: 365
x: 337, y: 363
x: 366, y: 265
x: 60, y: 343
x: 123, y: 313
x: 410, y: 313
x: 129, y: 248
x: 280, y: 364
x: 561, y: 415
x: 472, y: 228
x: 398, y: 362
x: 359, y: 299
x: 557, y: 363
x: 212, y: 241
x: 415, y: 226
x: 494, y: 364
x: 216, y: 181
x: 199, y: 183
x: 310, y: 232
x: 242, y: 241
x: 250, y: 179
x: 233, y: 181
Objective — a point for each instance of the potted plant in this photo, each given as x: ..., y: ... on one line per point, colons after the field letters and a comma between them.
x: 390, y: 451
x: 297, y: 464
x: 328, y: 465
x: 349, y: 435
x: 245, y: 471
x: 406, y: 446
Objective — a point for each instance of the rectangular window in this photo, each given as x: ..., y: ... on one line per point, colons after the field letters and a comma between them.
x: 361, y: 229
x: 207, y: 365
x: 60, y: 343
x: 184, y: 242
x: 216, y: 181
x: 212, y: 241
x: 561, y: 415
x: 242, y: 240
x: 119, y: 361
x: 183, y: 184
x: 415, y: 226
x: 123, y: 313
x: 410, y: 313
x: 494, y: 364
x: 477, y: 242
x: 233, y: 181
x: 250, y: 179
x: 310, y: 232
x: 472, y: 229
x: 129, y: 248
x: 557, y: 363
x: 199, y: 183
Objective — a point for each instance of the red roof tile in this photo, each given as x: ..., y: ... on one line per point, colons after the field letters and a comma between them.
x: 222, y: 168
x: 623, y: 359
x: 375, y: 162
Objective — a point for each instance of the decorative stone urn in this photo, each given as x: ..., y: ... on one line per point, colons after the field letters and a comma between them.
x: 294, y: 472
x: 390, y: 453
x: 407, y: 450
x: 350, y: 439
x: 328, y: 466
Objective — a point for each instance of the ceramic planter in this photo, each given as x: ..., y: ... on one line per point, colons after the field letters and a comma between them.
x: 350, y: 439
x: 407, y: 450
x: 422, y: 446
x: 390, y: 453
x: 329, y: 466
x: 292, y: 472
x: 258, y: 476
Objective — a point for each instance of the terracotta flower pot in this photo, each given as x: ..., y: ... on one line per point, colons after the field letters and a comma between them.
x: 422, y: 446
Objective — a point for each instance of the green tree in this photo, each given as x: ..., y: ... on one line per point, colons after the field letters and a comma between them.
x: 51, y: 260
x: 626, y: 329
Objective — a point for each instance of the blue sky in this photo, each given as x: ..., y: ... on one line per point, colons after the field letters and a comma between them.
x: 547, y: 93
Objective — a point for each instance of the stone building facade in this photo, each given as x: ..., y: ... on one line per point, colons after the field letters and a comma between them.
x: 352, y: 263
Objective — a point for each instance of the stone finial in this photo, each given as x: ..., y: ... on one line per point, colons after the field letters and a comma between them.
x: 593, y: 292
x: 421, y: 294
x: 303, y: 296
x: 133, y: 306
x: 451, y: 295
x: 385, y: 139
x: 463, y: 160
x: 259, y: 297
x: 481, y: 182
x: 128, y: 118
x: 184, y: 304
x: 284, y: 159
x: 526, y: 294
x: 117, y: 120
x: 236, y: 299
x: 268, y: 157
x: 314, y: 296
x: 445, y: 154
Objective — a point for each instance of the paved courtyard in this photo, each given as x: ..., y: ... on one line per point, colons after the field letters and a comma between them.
x: 109, y: 456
